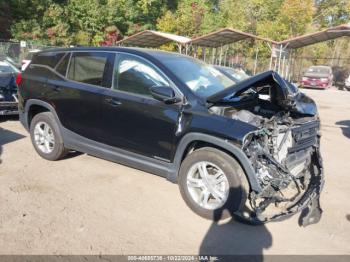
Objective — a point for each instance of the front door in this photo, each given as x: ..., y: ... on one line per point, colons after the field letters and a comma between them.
x: 133, y: 119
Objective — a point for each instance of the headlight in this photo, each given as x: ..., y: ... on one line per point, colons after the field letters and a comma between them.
x: 304, y: 78
x: 324, y: 79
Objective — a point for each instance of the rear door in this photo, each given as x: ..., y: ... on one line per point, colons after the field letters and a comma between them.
x: 133, y: 119
x: 77, y: 94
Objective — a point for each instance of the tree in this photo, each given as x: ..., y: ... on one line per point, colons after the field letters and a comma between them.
x: 296, y: 15
x: 138, y: 15
x: 192, y: 18
x: 112, y: 35
x: 76, y: 22
x: 331, y: 12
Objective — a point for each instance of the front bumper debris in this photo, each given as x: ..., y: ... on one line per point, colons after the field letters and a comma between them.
x: 8, y: 108
x: 309, y: 204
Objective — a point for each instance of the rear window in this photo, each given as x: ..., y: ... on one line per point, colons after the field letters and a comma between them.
x: 47, y: 58
x: 88, y: 67
x: 319, y: 70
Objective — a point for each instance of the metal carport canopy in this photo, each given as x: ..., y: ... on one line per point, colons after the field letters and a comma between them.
x: 225, y: 36
x: 313, y: 38
x: 150, y: 38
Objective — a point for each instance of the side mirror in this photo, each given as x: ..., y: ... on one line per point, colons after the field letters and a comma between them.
x: 165, y: 94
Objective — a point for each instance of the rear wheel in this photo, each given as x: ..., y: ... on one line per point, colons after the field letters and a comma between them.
x: 213, y: 184
x: 46, y: 137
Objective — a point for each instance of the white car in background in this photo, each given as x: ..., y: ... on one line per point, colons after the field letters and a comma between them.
x: 28, y: 59
x: 347, y: 83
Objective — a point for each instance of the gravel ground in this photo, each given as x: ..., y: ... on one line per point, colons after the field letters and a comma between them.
x: 86, y: 205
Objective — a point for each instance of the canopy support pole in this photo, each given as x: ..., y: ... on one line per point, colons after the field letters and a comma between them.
x: 195, y: 51
x: 204, y: 51
x: 225, y: 56
x: 232, y: 57
x: 213, y: 55
x: 279, y: 59
x: 179, y: 47
x: 256, y: 59
x: 271, y: 56
x: 283, y: 65
x: 220, y: 58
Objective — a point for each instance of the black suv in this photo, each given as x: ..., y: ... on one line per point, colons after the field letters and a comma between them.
x: 249, y: 149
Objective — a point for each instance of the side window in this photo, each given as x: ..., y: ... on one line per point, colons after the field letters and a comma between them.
x: 62, y: 66
x: 49, y: 59
x: 135, y: 75
x: 88, y: 67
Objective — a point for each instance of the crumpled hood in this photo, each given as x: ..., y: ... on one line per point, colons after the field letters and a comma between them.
x: 262, y: 79
x: 285, y: 92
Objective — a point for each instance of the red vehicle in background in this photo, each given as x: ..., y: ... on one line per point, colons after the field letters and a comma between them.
x: 318, y: 77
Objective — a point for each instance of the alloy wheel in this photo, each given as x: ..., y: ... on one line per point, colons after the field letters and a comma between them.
x: 207, y: 185
x: 44, y: 137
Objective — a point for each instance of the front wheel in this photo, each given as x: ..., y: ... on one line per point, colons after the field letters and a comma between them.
x: 46, y: 137
x: 213, y: 184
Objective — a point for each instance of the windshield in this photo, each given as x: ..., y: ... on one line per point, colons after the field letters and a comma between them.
x: 236, y: 73
x: 203, y: 79
x: 7, y: 68
x: 319, y: 70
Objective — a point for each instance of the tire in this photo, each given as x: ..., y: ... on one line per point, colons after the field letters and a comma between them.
x: 238, y: 184
x: 57, y: 148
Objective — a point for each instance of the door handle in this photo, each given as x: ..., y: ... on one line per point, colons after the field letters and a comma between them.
x: 113, y: 101
x: 57, y: 89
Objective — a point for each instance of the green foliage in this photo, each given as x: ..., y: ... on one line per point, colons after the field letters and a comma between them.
x: 83, y: 21
x: 87, y: 22
x: 296, y: 15
x: 332, y: 12
x: 82, y: 38
x: 192, y: 18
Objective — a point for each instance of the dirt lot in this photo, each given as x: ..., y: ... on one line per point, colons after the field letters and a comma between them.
x: 86, y: 205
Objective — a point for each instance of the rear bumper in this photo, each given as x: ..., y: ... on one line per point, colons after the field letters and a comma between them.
x: 314, y: 86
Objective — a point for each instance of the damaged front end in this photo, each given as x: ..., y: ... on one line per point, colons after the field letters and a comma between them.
x: 8, y: 95
x: 284, y: 150
x: 285, y: 155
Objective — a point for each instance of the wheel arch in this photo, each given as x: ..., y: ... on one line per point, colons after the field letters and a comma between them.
x: 34, y: 107
x: 190, y: 140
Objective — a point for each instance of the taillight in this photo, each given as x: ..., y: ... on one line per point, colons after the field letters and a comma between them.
x: 18, y: 79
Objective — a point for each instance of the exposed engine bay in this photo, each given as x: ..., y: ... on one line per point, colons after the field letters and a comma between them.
x: 284, y: 153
